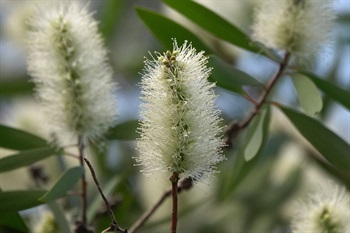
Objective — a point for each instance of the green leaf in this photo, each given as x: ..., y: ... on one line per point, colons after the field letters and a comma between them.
x: 97, y: 202
x: 19, y: 200
x: 308, y: 95
x: 124, y: 131
x: 228, y: 77
x: 25, y: 158
x: 336, y: 93
x: 11, y: 222
x: 110, y: 17
x: 13, y: 87
x: 255, y: 135
x: 213, y: 23
x: 165, y: 29
x: 330, y: 145
x: 63, y: 185
x: 19, y: 140
x: 241, y: 167
x: 220, y: 27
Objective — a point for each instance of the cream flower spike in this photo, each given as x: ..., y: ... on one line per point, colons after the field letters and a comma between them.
x: 68, y: 63
x: 180, y: 130
x: 326, y: 211
x: 300, y: 27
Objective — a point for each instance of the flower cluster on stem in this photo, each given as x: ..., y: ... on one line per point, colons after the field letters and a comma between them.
x: 296, y: 26
x: 68, y: 63
x: 180, y: 129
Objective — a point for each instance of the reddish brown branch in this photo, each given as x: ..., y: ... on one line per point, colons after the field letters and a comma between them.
x: 174, y: 179
x: 185, y: 184
x: 114, y: 225
x: 81, y: 148
x: 234, y: 128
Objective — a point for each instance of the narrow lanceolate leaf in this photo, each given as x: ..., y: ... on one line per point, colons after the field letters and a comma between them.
x: 164, y: 29
x: 256, y: 135
x: 123, y: 131
x: 228, y: 77
x: 336, y: 93
x: 308, y: 95
x: 330, y: 145
x: 12, y: 222
x: 63, y: 185
x: 220, y: 27
x: 19, y: 200
x: 16, y: 139
x: 242, y: 167
x: 213, y: 23
x: 25, y: 158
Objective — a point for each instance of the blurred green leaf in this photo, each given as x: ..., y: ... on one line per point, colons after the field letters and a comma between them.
x: 336, y: 93
x: 110, y: 16
x: 25, y: 158
x: 228, y: 77
x: 343, y: 18
x: 65, y: 183
x: 241, y: 167
x: 60, y: 218
x: 19, y: 200
x: 16, y: 87
x: 11, y: 222
x: 255, y: 135
x: 330, y: 145
x: 308, y: 95
x: 16, y: 139
x: 220, y: 27
x: 213, y: 23
x: 97, y: 202
x: 123, y: 131
x: 165, y: 29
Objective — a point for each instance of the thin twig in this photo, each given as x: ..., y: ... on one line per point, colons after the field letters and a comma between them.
x: 114, y: 225
x: 81, y: 148
x: 235, y: 127
x: 185, y: 184
x: 174, y: 180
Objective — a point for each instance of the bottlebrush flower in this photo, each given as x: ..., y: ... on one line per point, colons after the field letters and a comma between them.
x: 69, y: 66
x: 297, y: 26
x: 180, y: 130
x: 327, y: 211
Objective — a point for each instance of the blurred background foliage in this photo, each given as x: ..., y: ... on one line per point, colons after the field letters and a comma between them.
x: 283, y: 155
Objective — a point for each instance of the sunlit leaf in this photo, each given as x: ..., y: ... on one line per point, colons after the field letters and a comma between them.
x: 19, y: 200
x: 336, y: 93
x: 255, y: 135
x: 11, y: 222
x: 330, y: 145
x: 16, y: 139
x: 165, y: 29
x: 241, y: 167
x: 308, y: 95
x: 25, y: 158
x: 228, y: 77
x: 124, y: 131
x: 65, y: 183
